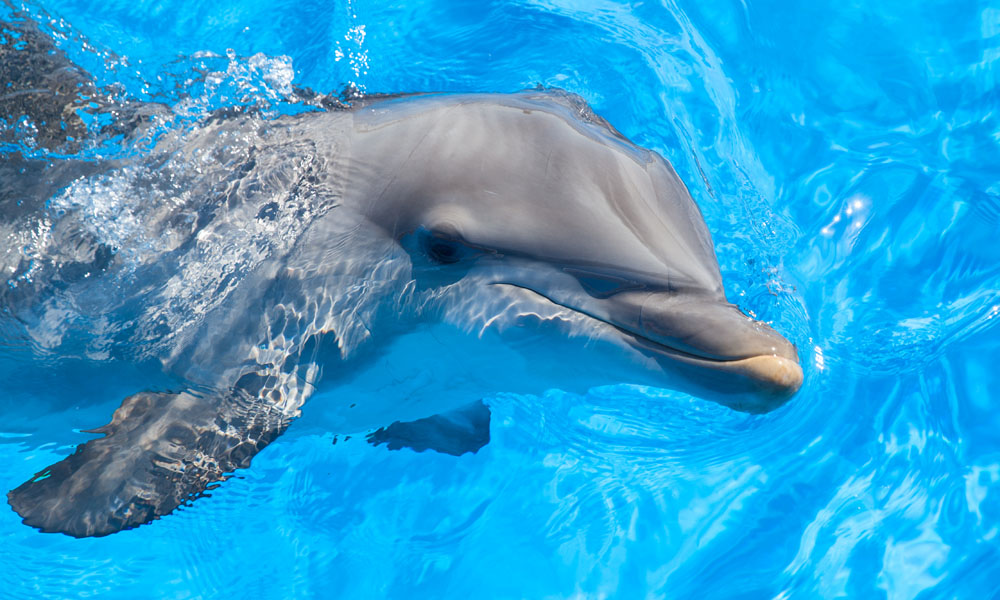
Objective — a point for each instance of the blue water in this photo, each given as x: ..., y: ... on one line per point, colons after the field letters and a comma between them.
x: 846, y: 158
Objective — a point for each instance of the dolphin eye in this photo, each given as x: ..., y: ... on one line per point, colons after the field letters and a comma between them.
x: 444, y: 245
x: 443, y: 251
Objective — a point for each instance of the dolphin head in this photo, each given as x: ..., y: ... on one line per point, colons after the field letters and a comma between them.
x: 533, y: 201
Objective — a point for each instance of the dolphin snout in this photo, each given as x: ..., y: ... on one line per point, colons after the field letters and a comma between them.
x: 775, y: 374
x: 716, y: 337
x: 710, y: 329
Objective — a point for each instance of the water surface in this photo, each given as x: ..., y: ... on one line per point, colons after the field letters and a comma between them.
x: 845, y: 156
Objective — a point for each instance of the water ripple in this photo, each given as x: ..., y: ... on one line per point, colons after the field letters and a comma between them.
x: 844, y: 156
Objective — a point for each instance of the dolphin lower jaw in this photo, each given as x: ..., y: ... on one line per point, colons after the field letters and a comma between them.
x: 765, y: 373
x: 747, y: 381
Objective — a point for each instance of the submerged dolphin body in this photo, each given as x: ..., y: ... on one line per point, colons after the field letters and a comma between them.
x: 251, y: 256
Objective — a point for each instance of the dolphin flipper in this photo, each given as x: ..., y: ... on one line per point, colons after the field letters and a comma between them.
x: 466, y: 429
x: 159, y: 451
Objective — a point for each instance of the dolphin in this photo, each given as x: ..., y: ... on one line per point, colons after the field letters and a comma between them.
x: 262, y: 261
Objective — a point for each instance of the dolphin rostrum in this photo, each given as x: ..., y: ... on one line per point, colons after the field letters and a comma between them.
x: 262, y: 261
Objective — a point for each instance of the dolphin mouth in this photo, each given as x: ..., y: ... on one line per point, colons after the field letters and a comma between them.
x: 771, y: 372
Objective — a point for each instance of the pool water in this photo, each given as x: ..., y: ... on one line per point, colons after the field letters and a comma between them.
x: 845, y: 156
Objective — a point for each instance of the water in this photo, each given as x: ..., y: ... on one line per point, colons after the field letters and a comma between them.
x: 845, y: 158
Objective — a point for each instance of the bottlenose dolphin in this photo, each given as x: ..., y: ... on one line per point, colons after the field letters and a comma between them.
x: 264, y: 260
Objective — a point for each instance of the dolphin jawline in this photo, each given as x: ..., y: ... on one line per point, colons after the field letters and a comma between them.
x: 770, y: 373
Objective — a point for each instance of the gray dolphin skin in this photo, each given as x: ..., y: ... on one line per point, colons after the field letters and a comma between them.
x: 264, y: 261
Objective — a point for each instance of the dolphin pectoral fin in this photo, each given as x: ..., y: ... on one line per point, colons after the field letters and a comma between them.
x: 466, y: 429
x: 159, y: 451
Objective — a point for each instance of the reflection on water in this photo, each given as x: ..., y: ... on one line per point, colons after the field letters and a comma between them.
x: 844, y: 156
